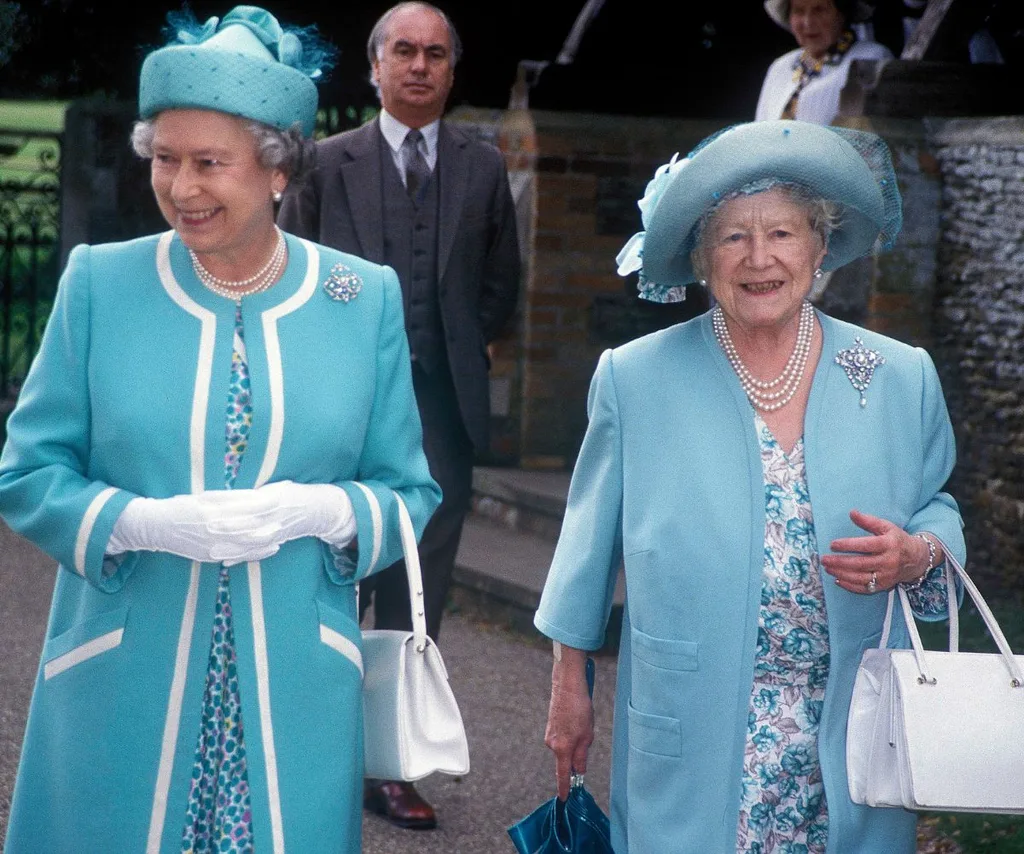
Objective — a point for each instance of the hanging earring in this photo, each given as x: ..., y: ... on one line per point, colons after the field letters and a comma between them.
x: 277, y: 195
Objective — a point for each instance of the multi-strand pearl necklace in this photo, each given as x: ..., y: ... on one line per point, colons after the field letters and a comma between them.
x: 769, y: 395
x: 255, y: 284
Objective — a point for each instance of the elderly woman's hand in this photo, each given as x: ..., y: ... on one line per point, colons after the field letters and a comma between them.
x: 879, y: 561
x: 570, y: 729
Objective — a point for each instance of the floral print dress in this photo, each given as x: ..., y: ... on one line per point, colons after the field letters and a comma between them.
x: 218, y: 816
x: 782, y: 803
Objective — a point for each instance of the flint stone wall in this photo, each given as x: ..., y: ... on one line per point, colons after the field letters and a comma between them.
x: 979, y: 331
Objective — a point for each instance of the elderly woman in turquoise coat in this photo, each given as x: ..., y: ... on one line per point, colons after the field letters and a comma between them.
x: 213, y: 443
x: 764, y: 474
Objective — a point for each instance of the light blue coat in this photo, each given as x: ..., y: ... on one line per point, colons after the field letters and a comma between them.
x: 127, y: 397
x: 669, y: 480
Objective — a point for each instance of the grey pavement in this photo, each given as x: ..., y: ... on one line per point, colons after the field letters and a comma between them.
x: 499, y: 676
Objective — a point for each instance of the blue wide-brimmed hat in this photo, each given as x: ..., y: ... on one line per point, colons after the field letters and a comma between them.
x: 244, y: 64
x: 852, y: 168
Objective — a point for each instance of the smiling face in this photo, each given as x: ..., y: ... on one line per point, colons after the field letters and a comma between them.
x: 212, y: 190
x: 761, y: 254
x: 816, y: 24
x: 415, y: 69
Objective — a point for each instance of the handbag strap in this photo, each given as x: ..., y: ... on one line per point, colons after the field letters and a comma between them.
x: 953, y: 613
x: 576, y: 780
x: 953, y: 570
x: 413, y: 575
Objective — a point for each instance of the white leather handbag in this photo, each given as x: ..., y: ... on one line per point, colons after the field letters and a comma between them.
x: 938, y: 730
x: 412, y: 726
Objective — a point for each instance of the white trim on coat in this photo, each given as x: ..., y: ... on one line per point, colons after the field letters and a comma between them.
x: 92, y: 513
x: 197, y: 435
x: 173, y: 720
x: 275, y: 369
x: 339, y: 643
x: 90, y: 649
x: 204, y: 368
x: 378, y: 525
x: 259, y: 642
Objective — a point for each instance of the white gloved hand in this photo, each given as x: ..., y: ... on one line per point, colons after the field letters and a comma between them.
x: 320, y: 510
x: 221, y: 526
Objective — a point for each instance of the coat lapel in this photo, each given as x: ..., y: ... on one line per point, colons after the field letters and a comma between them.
x: 362, y: 178
x: 454, y: 181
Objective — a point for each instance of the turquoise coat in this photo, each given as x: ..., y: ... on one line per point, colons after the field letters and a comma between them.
x: 669, y: 481
x: 127, y: 397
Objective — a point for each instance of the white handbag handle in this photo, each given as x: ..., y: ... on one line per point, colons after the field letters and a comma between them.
x: 953, y: 569
x: 413, y: 575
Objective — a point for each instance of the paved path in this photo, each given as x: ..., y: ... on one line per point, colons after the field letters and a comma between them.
x: 500, y: 679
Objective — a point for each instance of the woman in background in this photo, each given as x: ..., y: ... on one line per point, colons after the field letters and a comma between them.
x: 805, y: 83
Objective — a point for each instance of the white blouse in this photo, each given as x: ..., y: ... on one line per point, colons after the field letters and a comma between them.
x: 819, y: 100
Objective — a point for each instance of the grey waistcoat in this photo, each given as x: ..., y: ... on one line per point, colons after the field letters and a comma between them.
x: 410, y: 247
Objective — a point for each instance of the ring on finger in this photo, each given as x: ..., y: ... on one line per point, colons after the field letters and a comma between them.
x: 872, y: 584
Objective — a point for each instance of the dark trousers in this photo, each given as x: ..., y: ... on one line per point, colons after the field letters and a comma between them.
x: 449, y: 453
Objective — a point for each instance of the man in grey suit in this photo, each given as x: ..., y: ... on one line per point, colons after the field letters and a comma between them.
x: 412, y: 192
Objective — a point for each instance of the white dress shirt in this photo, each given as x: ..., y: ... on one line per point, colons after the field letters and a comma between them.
x: 394, y: 135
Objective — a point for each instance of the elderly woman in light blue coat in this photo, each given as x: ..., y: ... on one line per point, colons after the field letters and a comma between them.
x: 212, y: 442
x: 764, y: 473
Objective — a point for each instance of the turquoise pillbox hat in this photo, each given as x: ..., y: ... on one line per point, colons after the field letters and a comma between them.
x: 243, y: 64
x: 853, y: 168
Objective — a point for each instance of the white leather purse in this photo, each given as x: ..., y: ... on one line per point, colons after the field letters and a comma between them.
x: 412, y: 726
x: 938, y: 730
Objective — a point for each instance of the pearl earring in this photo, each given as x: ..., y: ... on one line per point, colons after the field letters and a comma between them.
x: 702, y: 282
x: 818, y: 274
x: 277, y: 195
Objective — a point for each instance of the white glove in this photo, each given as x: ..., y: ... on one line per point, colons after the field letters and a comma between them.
x: 222, y: 526
x: 320, y: 510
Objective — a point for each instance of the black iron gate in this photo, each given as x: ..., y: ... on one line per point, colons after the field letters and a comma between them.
x: 30, y: 165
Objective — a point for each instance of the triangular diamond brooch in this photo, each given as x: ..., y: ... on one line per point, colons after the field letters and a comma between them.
x: 859, y: 363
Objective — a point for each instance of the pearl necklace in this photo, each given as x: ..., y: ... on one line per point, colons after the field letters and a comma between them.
x: 769, y: 395
x: 257, y: 283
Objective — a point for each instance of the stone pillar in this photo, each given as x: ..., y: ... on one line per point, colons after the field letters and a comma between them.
x: 105, y: 190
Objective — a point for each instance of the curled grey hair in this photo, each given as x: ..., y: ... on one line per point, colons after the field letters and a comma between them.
x: 287, y: 150
x: 379, y: 33
x: 823, y: 215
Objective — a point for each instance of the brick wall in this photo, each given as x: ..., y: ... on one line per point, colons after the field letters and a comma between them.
x: 576, y: 178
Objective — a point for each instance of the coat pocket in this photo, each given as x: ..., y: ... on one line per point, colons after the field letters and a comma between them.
x: 663, y: 652
x: 83, y: 641
x: 336, y: 630
x: 655, y: 733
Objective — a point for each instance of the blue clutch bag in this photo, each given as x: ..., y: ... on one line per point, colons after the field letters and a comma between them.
x: 574, y: 826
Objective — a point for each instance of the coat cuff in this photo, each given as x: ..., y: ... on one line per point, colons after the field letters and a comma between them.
x: 90, y: 559
x: 362, y: 558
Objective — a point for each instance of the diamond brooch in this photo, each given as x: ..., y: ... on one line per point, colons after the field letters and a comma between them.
x: 859, y: 363
x: 342, y: 284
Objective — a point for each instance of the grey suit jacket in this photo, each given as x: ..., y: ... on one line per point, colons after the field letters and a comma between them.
x: 340, y: 205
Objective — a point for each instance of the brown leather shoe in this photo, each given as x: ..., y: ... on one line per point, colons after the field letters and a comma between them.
x: 399, y: 803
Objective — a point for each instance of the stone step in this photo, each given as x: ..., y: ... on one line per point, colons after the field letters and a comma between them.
x: 530, y: 502
x: 500, y: 572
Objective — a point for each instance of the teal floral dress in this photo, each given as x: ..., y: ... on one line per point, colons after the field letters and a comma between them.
x: 782, y: 807
x: 218, y: 816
